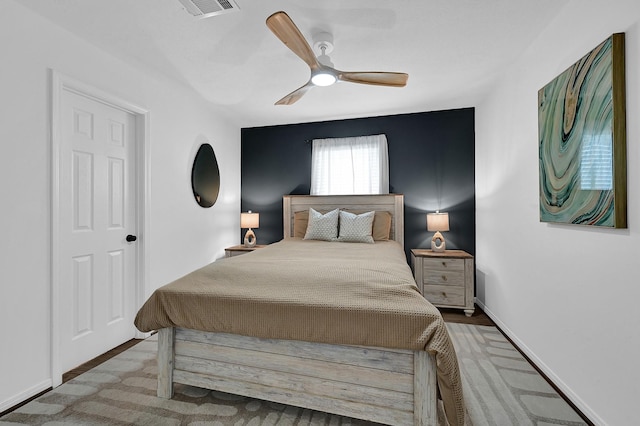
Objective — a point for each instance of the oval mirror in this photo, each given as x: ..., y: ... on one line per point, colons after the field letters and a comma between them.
x: 205, y: 176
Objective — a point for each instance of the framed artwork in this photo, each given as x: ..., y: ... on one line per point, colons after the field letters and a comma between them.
x: 582, y: 141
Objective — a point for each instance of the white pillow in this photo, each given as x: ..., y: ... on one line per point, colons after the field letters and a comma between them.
x: 322, y: 226
x: 356, y: 228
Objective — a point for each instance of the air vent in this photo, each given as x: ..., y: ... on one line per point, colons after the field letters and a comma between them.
x: 207, y: 8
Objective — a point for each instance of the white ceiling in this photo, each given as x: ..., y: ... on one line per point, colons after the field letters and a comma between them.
x: 453, y: 50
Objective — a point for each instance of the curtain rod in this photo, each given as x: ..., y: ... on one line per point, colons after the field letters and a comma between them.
x: 344, y: 137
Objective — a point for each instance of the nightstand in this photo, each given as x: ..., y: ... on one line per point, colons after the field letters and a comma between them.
x: 240, y: 249
x: 446, y: 279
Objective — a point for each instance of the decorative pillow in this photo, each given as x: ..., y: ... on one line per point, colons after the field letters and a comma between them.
x: 381, y: 226
x: 356, y: 228
x: 322, y: 226
x: 380, y: 232
x: 300, y: 222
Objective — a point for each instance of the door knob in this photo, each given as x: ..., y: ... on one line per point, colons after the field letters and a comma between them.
x: 131, y: 238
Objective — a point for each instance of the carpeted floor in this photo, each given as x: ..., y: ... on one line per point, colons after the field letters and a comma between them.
x: 501, y: 388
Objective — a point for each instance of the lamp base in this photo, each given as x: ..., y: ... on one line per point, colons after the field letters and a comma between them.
x: 249, y: 239
x: 437, y: 242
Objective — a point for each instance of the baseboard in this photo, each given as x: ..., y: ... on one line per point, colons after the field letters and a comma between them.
x: 23, y: 396
x: 562, y: 387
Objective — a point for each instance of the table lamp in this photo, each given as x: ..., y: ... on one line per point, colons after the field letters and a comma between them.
x: 438, y: 222
x: 249, y: 220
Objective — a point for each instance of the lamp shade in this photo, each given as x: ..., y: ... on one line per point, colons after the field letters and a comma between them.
x: 437, y: 221
x: 249, y: 220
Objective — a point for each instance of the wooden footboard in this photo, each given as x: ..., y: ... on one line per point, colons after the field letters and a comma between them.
x: 389, y: 386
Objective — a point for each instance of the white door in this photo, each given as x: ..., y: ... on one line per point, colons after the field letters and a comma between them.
x: 97, y: 212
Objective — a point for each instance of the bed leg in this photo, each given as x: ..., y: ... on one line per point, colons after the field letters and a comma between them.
x: 166, y: 353
x: 424, y: 389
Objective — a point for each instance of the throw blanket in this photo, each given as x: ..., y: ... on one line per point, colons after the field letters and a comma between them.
x: 316, y: 291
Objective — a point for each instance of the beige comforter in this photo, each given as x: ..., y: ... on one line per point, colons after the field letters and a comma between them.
x: 327, y: 292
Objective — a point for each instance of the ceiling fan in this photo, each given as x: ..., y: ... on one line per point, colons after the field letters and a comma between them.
x: 322, y: 71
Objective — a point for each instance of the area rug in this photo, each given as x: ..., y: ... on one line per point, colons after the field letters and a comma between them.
x: 500, y: 387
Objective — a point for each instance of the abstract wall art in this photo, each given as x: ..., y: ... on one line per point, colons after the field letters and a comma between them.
x: 582, y: 141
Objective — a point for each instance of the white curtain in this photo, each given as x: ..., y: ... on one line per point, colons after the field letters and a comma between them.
x: 346, y: 166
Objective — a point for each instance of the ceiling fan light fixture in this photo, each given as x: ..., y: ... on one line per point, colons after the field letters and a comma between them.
x: 323, y: 78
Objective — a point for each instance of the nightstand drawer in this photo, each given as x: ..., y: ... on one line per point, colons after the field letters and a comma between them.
x: 444, y: 295
x: 448, y: 278
x: 451, y: 265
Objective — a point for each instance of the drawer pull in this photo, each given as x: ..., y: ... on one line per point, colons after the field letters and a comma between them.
x: 444, y: 278
x: 444, y: 264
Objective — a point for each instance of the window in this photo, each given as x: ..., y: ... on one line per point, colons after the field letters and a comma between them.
x: 343, y: 166
x: 596, y: 162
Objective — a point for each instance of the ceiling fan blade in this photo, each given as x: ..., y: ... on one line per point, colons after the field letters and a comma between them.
x: 294, y: 96
x: 284, y: 28
x: 393, y: 79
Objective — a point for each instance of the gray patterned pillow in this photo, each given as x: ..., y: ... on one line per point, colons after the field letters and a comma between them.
x: 322, y: 226
x: 356, y: 228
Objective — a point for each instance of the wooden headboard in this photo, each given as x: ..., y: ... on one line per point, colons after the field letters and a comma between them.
x: 392, y: 203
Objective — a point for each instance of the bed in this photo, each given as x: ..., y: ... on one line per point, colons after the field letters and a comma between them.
x: 351, y: 336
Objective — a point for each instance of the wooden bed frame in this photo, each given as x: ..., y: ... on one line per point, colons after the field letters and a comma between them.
x: 390, y: 386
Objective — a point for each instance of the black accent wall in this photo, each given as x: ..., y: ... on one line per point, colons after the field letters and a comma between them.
x: 431, y: 162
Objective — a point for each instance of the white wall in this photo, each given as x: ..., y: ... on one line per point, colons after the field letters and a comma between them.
x: 567, y: 295
x: 182, y: 236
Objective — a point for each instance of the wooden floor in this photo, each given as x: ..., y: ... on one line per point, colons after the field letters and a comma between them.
x: 98, y: 360
x: 457, y: 315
